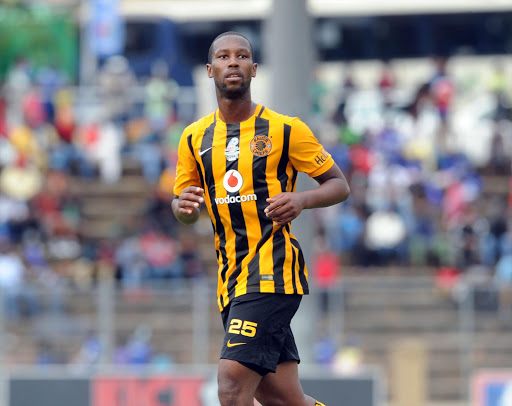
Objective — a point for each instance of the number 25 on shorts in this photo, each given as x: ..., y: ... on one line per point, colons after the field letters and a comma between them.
x: 246, y: 328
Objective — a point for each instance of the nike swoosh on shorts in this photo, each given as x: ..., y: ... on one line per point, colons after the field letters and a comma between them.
x: 229, y: 344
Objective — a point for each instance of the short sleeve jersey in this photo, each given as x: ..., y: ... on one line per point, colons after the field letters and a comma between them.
x: 239, y: 166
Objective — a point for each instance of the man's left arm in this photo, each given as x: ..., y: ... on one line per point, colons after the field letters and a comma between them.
x: 333, y: 188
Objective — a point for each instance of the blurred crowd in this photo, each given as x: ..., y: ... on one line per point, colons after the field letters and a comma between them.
x: 424, y: 175
x: 418, y: 194
x: 55, y: 137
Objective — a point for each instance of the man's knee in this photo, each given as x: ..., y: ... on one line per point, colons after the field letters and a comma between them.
x: 237, y: 383
x: 229, y: 390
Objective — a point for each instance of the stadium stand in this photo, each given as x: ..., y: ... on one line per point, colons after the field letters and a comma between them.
x: 80, y: 215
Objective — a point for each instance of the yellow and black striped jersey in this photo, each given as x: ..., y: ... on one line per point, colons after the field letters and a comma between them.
x: 239, y: 166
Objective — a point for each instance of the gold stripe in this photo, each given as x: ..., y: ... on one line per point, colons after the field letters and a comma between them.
x: 267, y: 265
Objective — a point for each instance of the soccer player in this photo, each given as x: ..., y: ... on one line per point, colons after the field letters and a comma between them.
x: 242, y: 162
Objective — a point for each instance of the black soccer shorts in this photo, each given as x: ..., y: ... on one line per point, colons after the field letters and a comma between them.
x: 258, y: 333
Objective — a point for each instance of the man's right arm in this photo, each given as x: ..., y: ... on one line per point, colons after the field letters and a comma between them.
x: 186, y: 206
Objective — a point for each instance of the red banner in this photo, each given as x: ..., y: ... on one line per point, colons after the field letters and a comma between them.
x: 152, y: 391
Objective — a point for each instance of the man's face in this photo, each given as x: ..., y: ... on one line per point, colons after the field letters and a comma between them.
x: 232, y: 67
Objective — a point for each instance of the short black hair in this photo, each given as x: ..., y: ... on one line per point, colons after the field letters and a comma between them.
x: 225, y: 34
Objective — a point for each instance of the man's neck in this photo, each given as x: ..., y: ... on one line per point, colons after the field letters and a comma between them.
x: 236, y: 111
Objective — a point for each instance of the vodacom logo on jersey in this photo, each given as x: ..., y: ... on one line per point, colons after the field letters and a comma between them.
x: 233, y: 182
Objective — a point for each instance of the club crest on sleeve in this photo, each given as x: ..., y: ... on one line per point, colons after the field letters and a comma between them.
x: 261, y: 145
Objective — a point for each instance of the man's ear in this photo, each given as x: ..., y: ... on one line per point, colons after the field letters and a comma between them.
x: 254, y: 68
x: 209, y: 70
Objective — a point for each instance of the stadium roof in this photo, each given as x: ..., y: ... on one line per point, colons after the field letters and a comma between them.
x: 197, y: 10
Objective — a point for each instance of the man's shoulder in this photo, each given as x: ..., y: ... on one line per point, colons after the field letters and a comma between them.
x: 200, y: 125
x: 275, y: 116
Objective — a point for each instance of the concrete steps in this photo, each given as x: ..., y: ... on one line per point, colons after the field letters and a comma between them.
x: 381, y: 311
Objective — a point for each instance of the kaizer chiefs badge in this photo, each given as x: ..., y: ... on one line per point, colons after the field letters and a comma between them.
x: 261, y: 145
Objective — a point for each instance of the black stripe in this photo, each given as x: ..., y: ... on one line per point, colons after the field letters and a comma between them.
x: 189, y: 143
x: 302, y: 276
x: 294, y: 178
x: 294, y: 261
x: 236, y: 214
x: 282, y: 176
x: 278, y: 256
x: 207, y: 142
x: 209, y: 184
x: 259, y: 169
x: 261, y: 111
x: 201, y: 178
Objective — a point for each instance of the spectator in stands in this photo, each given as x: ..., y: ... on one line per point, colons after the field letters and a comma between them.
x: 423, y: 228
x: 496, y: 239
x: 349, y: 357
x: 503, y: 282
x: 446, y: 281
x: 161, y: 93
x: 28, y: 151
x: 348, y: 87
x: 132, y: 267
x: 150, y: 153
x: 65, y: 123
x: 20, y: 299
x: 160, y: 252
x: 500, y: 160
x: 137, y: 349
x: 385, y: 249
x: 58, y: 212
x: 442, y: 88
x: 189, y: 262
x: 89, y: 353
x: 34, y: 114
x: 498, y: 86
x: 3, y: 113
x: 387, y: 83
x: 326, y: 271
x: 49, y: 354
x: 67, y: 153
x: 108, y: 154
x: 17, y: 84
x: 325, y: 349
x: 319, y: 91
x: 99, y: 145
x: 45, y: 279
x: 344, y: 228
x: 50, y: 79
x: 467, y: 237
x: 15, y: 217
x: 116, y: 85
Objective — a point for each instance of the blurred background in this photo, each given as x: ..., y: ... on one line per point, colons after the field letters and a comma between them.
x: 107, y: 301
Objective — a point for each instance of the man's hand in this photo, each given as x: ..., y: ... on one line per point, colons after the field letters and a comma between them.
x: 284, y: 207
x: 186, y: 206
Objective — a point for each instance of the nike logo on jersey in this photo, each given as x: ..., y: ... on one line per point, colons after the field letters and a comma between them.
x: 204, y: 152
x: 234, y: 344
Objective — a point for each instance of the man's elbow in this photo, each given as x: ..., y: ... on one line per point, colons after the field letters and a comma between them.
x: 344, y: 191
